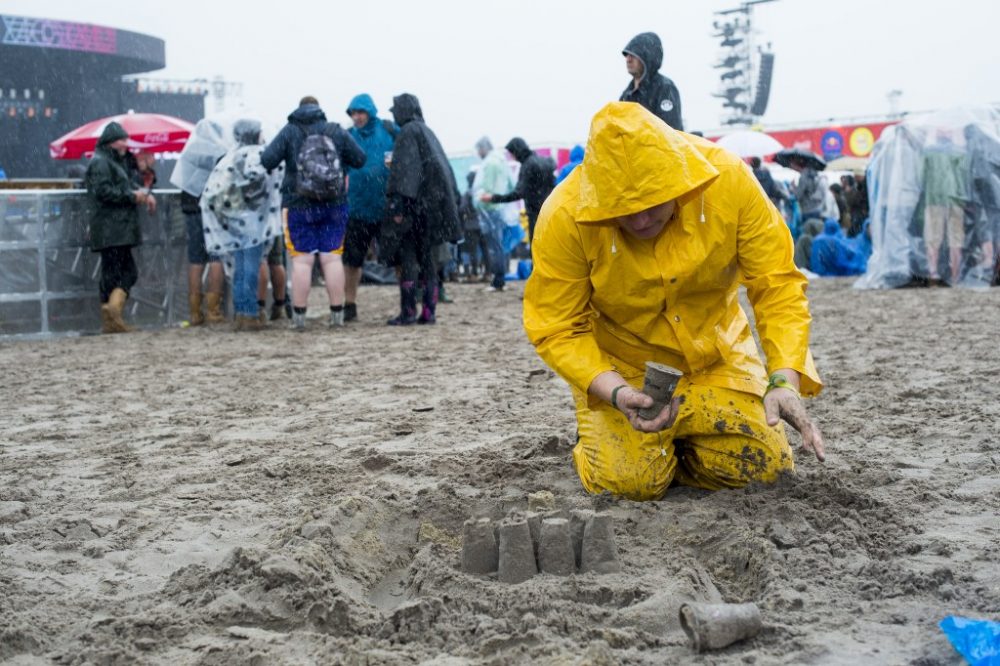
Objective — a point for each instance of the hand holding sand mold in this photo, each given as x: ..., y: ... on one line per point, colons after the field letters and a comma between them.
x: 781, y: 401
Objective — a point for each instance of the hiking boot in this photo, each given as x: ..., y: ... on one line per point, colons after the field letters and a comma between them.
x: 350, y: 311
x: 336, y: 319
x: 298, y: 321
x: 243, y: 323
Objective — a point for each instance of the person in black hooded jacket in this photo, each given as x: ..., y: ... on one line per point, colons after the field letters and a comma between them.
x: 313, y: 227
x: 534, y: 183
x: 422, y: 201
x: 643, y: 58
x: 114, y: 227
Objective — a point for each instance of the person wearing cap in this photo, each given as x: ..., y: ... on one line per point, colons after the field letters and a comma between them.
x: 656, y: 92
x: 114, y: 227
x: 638, y: 256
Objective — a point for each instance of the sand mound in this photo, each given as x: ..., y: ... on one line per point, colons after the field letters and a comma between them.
x: 302, y: 498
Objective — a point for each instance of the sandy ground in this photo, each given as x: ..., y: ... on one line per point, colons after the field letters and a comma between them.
x: 203, y: 497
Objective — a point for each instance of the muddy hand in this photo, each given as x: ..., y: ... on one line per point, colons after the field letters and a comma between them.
x: 785, y: 404
x: 630, y: 401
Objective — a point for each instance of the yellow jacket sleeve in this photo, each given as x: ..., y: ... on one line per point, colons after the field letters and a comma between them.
x: 775, y: 287
x: 558, y: 316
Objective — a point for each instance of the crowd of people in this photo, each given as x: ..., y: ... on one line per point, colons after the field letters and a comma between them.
x: 636, y: 254
x: 382, y: 189
x: 828, y: 222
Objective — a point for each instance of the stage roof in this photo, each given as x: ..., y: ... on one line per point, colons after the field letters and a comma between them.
x: 40, y: 48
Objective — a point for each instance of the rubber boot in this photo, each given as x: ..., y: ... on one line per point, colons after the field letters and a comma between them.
x: 407, y: 305
x: 430, y: 304
x: 213, y: 308
x: 116, y: 311
x: 107, y: 321
x: 196, y: 317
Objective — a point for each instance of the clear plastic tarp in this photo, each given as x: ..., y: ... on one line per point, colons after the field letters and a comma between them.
x: 934, y: 194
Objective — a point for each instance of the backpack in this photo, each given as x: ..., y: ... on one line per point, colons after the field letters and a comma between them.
x: 320, y: 176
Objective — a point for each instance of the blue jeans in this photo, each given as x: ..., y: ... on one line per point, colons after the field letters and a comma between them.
x: 245, y: 271
x: 492, y: 225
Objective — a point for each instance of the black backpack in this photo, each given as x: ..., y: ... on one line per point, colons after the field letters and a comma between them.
x: 319, y: 175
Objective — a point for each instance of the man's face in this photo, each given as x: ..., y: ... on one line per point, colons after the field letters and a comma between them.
x: 120, y: 146
x: 633, y: 65
x: 647, y: 223
x: 359, y: 117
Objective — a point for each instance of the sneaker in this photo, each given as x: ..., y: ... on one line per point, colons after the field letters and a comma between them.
x: 288, y: 309
x: 298, y: 321
x: 491, y: 289
x: 350, y: 311
x: 336, y: 319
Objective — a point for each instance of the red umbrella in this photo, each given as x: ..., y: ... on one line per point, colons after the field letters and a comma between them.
x: 152, y: 132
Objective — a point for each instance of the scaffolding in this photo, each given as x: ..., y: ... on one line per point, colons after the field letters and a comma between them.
x: 745, y: 80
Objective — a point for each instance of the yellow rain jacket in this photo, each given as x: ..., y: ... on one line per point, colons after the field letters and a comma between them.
x: 597, y: 293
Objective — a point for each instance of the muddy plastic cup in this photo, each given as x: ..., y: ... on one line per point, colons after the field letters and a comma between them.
x: 659, y: 384
x: 714, y: 626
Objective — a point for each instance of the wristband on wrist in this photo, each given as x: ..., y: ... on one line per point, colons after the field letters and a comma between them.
x: 614, y: 395
x: 778, y: 380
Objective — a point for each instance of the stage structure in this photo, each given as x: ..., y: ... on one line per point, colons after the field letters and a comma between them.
x: 747, y: 68
x: 58, y: 75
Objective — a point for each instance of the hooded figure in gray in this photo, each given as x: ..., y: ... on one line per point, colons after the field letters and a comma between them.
x: 653, y: 90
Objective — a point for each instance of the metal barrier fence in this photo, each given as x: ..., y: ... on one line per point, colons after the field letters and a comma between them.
x: 49, y: 276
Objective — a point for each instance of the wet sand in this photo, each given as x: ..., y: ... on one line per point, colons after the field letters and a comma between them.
x: 204, y: 497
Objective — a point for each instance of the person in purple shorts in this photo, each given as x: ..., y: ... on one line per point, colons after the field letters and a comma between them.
x: 315, y: 224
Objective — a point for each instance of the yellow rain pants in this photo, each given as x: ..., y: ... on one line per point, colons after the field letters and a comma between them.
x: 720, y: 440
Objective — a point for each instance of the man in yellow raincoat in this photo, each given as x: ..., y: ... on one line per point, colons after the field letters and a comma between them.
x: 638, y: 256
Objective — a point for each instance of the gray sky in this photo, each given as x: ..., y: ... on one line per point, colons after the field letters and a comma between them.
x: 541, y: 68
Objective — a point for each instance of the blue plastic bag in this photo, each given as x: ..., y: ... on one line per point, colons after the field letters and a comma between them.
x: 976, y: 640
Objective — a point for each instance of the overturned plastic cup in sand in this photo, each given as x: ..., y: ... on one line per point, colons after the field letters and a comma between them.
x: 659, y: 384
x: 714, y: 626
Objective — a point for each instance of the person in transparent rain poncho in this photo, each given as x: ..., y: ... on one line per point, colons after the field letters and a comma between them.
x: 933, y: 201
x: 241, y: 209
x: 206, y: 146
